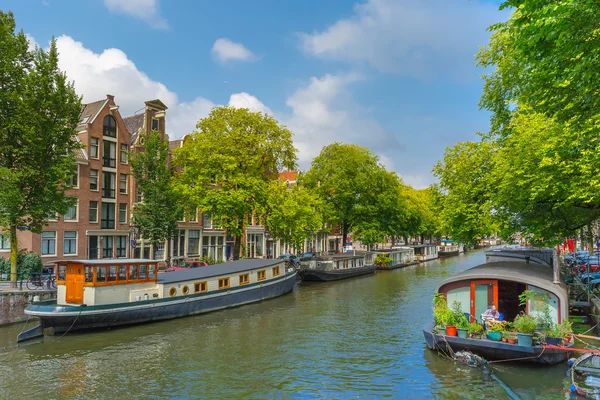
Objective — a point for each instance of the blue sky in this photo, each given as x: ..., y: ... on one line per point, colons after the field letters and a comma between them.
x: 394, y: 75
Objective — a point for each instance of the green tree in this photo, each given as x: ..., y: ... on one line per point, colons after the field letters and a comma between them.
x: 157, y: 215
x: 292, y: 213
x: 229, y: 162
x: 39, y: 112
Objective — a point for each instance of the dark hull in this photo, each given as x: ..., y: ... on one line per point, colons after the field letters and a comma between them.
x: 395, y: 266
x: 447, y: 253
x: 86, y: 318
x: 491, y: 350
x: 327, y: 276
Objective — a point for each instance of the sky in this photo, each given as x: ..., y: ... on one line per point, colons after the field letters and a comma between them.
x: 397, y: 76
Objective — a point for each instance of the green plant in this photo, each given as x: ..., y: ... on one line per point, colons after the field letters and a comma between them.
x: 441, y: 313
x: 525, y: 324
x: 554, y: 331
x: 26, y: 263
x: 566, y: 327
x: 383, y: 260
x: 509, y: 326
x: 497, y: 328
x: 474, y: 327
x: 458, y: 316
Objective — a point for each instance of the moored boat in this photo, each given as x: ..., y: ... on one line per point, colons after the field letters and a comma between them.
x: 336, y: 267
x: 401, y: 256
x: 425, y: 252
x: 96, y: 294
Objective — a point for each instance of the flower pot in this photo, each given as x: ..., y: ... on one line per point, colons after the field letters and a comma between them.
x: 504, y: 340
x: 525, y: 339
x: 462, y: 333
x: 554, y: 341
x: 451, y: 331
x: 495, y: 336
x: 512, y: 340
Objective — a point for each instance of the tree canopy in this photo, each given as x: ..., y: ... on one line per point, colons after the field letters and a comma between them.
x: 39, y: 111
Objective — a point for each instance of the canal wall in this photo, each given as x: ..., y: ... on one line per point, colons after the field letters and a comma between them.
x: 13, y: 303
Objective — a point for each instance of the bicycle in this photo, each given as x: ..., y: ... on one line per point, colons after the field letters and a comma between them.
x: 36, y: 281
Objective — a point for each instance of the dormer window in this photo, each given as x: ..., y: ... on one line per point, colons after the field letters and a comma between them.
x: 110, y: 127
x: 154, y: 124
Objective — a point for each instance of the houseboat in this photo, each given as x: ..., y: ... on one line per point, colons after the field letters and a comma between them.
x: 500, y: 283
x: 401, y: 257
x: 94, y: 294
x: 448, y: 248
x: 337, y: 266
x: 425, y: 252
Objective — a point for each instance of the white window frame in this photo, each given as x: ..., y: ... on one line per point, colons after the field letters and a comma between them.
x: 126, y: 182
x: 42, y: 241
x: 206, y: 216
x: 97, y: 180
x: 76, y: 219
x: 97, y: 148
x: 90, y: 221
x: 76, y: 186
x: 4, y: 239
x: 76, y: 243
x: 126, y: 212
x: 195, y: 216
x: 121, y: 145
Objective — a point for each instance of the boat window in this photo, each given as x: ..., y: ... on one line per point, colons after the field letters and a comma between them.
x: 172, y: 291
x: 142, y: 272
x: 276, y: 271
x: 151, y: 271
x: 262, y: 275
x: 133, y: 272
x: 185, y: 289
x: 62, y: 272
x: 122, y: 272
x: 112, y: 273
x: 244, y: 279
x: 223, y: 283
x: 200, y: 287
x: 100, y: 274
x: 89, y: 273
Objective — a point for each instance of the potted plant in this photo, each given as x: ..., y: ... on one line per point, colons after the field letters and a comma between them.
x: 441, y: 313
x: 462, y: 326
x: 383, y: 261
x: 455, y: 318
x: 476, y: 330
x: 495, y: 332
x: 505, y: 335
x: 525, y: 326
x: 554, y: 335
x: 512, y: 338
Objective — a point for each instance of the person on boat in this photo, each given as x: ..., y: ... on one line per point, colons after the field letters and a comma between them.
x: 491, y: 314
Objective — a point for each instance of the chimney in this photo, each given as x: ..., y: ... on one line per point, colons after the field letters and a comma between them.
x: 110, y: 97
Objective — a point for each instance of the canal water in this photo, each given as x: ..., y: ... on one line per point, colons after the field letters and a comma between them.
x: 349, y: 339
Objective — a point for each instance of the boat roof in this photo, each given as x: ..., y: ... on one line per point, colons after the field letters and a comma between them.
x: 107, y: 261
x: 420, y: 245
x: 532, y: 274
x: 540, y: 256
x: 395, y: 249
x: 217, y: 270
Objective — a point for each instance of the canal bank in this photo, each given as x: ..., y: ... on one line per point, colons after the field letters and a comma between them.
x: 357, y: 337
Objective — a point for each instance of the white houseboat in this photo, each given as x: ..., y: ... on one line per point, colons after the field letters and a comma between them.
x: 94, y: 294
x: 401, y: 257
x: 425, y: 252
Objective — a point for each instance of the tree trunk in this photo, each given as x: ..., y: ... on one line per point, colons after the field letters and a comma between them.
x: 393, y: 241
x: 14, y: 252
x: 590, y: 239
x: 237, y: 246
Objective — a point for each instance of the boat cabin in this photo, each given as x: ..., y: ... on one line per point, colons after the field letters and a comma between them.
x: 337, y: 262
x: 425, y: 252
x: 100, y: 282
x: 400, y: 255
x: 500, y: 283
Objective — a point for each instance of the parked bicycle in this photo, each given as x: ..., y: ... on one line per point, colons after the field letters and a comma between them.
x: 37, y: 281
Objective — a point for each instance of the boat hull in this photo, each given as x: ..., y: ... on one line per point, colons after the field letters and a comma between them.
x: 395, y: 266
x: 493, y: 351
x: 60, y: 319
x: 447, y: 253
x: 327, y: 276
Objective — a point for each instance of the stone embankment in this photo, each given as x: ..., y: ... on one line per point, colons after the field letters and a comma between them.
x: 14, y: 301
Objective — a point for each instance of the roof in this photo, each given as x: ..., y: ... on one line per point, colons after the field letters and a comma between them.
x: 133, y: 125
x: 89, y: 111
x: 217, y: 270
x: 173, y: 144
x: 156, y: 103
x: 289, y: 176
x: 111, y: 261
x: 414, y: 246
x: 538, y: 255
x: 80, y: 155
x: 396, y: 249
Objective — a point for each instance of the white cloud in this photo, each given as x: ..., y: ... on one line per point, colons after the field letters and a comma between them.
x: 225, y: 50
x: 410, y: 37
x: 182, y: 119
x: 246, y: 100
x: 32, y: 45
x: 146, y: 10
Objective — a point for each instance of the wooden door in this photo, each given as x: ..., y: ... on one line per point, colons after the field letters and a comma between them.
x: 483, y: 294
x: 74, y: 283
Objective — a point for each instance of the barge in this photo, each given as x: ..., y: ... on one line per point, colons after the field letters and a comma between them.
x: 336, y: 267
x: 98, y: 294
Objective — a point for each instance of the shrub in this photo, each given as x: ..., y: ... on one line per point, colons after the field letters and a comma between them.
x: 26, y: 263
x: 474, y: 327
x: 525, y: 324
x: 383, y: 260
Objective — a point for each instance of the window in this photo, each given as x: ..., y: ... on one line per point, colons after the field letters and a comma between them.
x: 178, y: 244
x: 122, y: 276
x: 151, y: 271
x: 110, y: 127
x: 193, y: 216
x: 121, y: 246
x: 142, y: 271
x: 133, y: 272
x: 123, y: 184
x: 94, y: 144
x: 93, y: 211
x: 4, y: 241
x: 212, y: 247
x: 200, y: 287
x: 207, y: 221
x: 71, y: 214
x: 193, y: 242
x: 140, y: 195
x: 108, y: 185
x: 93, y: 247
x: 89, y: 273
x: 262, y: 275
x: 185, y: 289
x: 93, y: 179
x: 123, y: 155
x: 49, y: 243
x: 107, y: 247
x: 244, y: 279
x: 74, y: 179
x: 109, y: 157
x: 123, y: 213
x: 155, y: 124
x: 223, y: 283
x: 108, y: 216
x: 62, y: 273
x: 70, y: 242
x: 275, y: 271
x: 100, y: 274
x: 112, y: 273
x: 254, y: 245
x: 172, y: 292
